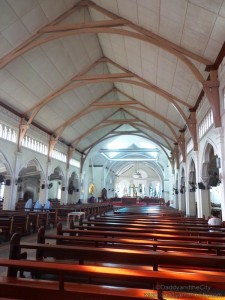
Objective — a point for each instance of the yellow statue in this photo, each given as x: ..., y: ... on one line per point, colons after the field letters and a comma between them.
x: 91, y: 189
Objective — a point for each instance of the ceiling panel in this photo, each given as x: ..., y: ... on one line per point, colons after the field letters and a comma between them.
x: 196, y: 25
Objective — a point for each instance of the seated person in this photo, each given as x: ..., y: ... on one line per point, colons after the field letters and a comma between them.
x: 29, y: 204
x: 91, y: 199
x: 215, y: 220
x: 48, y: 205
x: 79, y: 202
x: 37, y: 206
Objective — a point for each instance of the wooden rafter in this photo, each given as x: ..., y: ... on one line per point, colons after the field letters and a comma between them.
x: 147, y: 125
x: 105, y: 78
x: 164, y: 42
x: 99, y: 29
x: 108, y: 122
x: 16, y: 51
x: 95, y: 105
x: 147, y: 110
x: 159, y: 143
x: 114, y: 103
x: 83, y: 112
x: 163, y: 92
x: 137, y: 133
x: 66, y: 27
x: 93, y: 128
x: 57, y: 35
x: 113, y: 133
x: 70, y: 86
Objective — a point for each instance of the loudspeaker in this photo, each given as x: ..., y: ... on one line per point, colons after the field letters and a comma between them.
x: 63, y: 188
x: 7, y: 182
x: 201, y: 186
x: 43, y: 186
x: 77, y: 190
x: 213, y: 181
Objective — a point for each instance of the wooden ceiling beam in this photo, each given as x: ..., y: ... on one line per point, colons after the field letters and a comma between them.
x: 147, y: 110
x: 162, y: 92
x: 66, y: 27
x: 162, y: 42
x: 102, y: 76
x: 146, y: 124
x: 76, y: 141
x: 15, y: 52
x: 57, y: 35
x: 115, y: 103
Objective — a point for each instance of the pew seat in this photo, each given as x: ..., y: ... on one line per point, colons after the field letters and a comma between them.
x: 161, y: 281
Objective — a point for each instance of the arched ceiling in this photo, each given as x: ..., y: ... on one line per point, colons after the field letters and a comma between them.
x: 82, y: 69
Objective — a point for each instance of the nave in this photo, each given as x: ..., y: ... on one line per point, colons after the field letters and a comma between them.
x: 134, y: 252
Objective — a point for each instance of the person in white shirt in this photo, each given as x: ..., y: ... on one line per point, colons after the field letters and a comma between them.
x: 215, y: 220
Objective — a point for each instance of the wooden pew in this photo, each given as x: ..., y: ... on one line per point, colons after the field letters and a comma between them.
x: 22, y: 222
x: 135, y: 243
x: 157, y: 230
x: 115, y: 255
x: 152, y: 226
x: 61, y: 289
x: 201, y: 237
x: 155, y: 219
x: 5, y: 227
x: 12, y: 221
x: 90, y: 210
x: 146, y: 210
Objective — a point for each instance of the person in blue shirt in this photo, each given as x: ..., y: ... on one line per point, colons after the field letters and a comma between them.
x: 37, y: 206
x: 48, y: 205
x: 28, y: 205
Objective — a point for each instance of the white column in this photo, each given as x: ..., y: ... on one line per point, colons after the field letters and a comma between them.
x: 176, y: 201
x: 182, y: 202
x: 192, y: 206
x: 221, y: 148
x: 65, y: 193
x: 7, y: 196
x: 12, y: 189
x: 205, y: 208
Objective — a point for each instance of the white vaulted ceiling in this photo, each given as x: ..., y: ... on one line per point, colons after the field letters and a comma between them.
x: 82, y: 69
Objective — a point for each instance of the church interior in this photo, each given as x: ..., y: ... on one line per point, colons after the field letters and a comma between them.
x: 112, y: 151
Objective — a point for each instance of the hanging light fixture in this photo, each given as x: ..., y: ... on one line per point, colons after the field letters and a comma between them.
x: 137, y: 173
